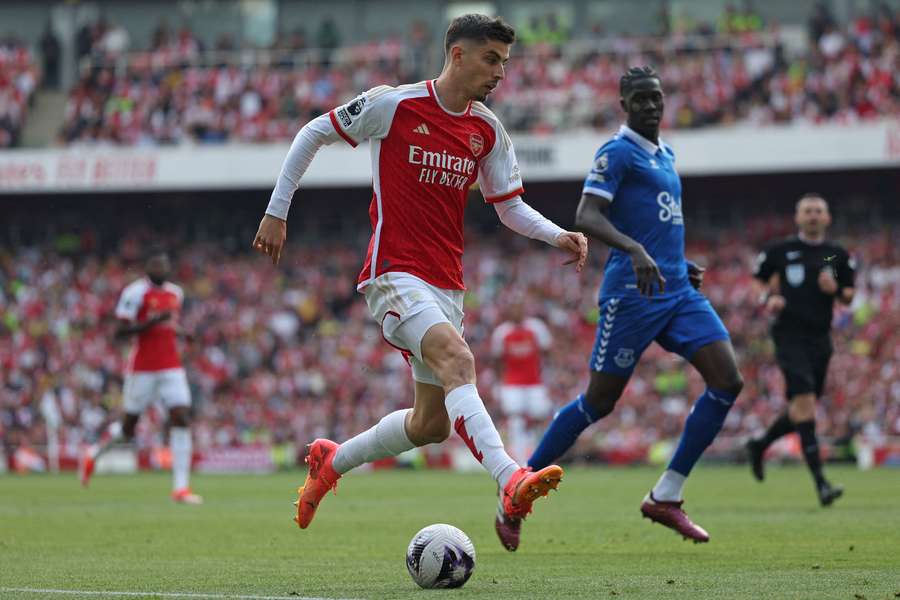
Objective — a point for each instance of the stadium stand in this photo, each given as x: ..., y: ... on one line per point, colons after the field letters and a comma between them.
x: 180, y: 90
x: 283, y: 356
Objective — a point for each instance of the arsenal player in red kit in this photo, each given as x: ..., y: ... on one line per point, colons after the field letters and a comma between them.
x: 148, y: 309
x: 518, y: 344
x: 429, y: 142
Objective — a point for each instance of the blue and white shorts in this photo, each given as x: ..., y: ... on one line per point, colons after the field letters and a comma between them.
x: 629, y: 324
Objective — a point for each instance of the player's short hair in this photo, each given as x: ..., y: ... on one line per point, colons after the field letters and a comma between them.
x: 480, y: 28
x: 154, y: 251
x: 635, y: 74
x: 810, y: 196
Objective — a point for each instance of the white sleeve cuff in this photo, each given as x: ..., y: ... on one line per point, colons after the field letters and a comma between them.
x: 315, y: 134
x: 597, y: 192
x: 523, y: 219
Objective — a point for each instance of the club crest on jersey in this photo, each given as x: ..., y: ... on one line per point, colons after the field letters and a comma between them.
x: 476, y: 143
x: 624, y: 358
x: 795, y: 274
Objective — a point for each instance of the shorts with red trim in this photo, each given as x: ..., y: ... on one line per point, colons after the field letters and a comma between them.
x: 407, y: 307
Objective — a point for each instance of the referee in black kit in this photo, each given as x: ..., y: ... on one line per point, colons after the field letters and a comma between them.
x: 803, y: 275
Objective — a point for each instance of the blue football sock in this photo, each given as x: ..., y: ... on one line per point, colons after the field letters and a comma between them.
x: 562, y: 433
x: 701, y: 428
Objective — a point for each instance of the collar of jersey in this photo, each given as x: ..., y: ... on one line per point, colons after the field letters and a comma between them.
x: 640, y: 140
x: 433, y: 92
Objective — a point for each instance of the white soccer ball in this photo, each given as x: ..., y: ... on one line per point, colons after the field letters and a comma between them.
x: 440, y: 556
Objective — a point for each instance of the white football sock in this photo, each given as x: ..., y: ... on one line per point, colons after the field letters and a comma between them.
x: 470, y: 419
x: 113, y: 436
x: 669, y: 487
x: 517, y: 438
x: 180, y: 444
x: 387, y: 438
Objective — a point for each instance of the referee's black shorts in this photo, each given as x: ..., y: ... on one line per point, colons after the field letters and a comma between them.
x: 804, y: 361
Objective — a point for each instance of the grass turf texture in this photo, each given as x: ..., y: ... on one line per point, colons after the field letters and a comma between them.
x: 769, y: 540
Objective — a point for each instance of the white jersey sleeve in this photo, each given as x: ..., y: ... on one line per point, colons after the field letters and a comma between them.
x: 176, y: 289
x: 131, y: 300
x: 499, y: 337
x: 369, y: 115
x: 498, y: 172
x: 540, y: 331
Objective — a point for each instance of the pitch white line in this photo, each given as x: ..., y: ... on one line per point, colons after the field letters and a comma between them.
x: 162, y: 594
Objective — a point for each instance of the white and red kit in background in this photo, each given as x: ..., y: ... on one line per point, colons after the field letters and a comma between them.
x: 154, y: 372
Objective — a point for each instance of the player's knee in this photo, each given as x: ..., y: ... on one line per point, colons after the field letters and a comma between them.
x: 456, y: 365
x: 802, y: 408
x: 730, y: 382
x: 129, y: 426
x: 179, y: 417
x: 601, y: 404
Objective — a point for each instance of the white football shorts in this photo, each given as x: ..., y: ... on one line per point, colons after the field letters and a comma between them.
x: 143, y: 388
x: 407, y: 307
x: 530, y: 401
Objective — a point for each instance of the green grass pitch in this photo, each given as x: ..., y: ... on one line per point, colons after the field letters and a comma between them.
x: 769, y: 540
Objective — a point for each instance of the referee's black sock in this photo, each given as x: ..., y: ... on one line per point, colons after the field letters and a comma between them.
x: 780, y: 427
x: 810, y: 445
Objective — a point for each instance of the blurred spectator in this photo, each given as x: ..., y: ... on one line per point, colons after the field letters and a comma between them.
x: 328, y: 39
x: 19, y: 77
x: 50, y: 55
x: 292, y: 354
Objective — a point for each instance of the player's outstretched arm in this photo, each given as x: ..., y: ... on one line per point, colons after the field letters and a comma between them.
x: 591, y: 219
x: 272, y: 231
x: 270, y: 237
x: 524, y: 220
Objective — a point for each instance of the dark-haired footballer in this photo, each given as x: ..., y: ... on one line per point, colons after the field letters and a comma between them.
x: 631, y: 201
x: 149, y: 310
x: 429, y: 142
x: 803, y: 276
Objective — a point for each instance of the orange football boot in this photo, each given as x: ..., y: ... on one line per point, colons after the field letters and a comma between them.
x: 522, y: 489
x: 321, y: 478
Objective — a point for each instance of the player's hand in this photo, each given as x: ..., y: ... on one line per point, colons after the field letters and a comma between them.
x: 270, y: 237
x: 775, y: 304
x: 647, y: 272
x: 827, y: 282
x: 695, y: 275
x: 574, y: 243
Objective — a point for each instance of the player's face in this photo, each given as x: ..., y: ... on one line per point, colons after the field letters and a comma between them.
x: 812, y: 216
x: 516, y: 311
x: 158, y: 268
x: 482, y: 65
x: 644, y: 105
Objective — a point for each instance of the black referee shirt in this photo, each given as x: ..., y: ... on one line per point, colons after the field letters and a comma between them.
x: 808, y: 310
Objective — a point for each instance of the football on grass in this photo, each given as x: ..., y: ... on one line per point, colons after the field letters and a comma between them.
x: 440, y: 556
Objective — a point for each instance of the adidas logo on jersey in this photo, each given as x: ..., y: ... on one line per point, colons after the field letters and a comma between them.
x: 423, y: 128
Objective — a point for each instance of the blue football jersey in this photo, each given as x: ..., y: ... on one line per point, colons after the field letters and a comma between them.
x: 639, y: 179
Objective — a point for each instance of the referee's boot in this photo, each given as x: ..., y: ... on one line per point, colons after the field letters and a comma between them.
x: 828, y: 493
x: 755, y: 454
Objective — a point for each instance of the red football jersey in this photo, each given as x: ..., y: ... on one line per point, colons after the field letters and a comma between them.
x: 519, y: 346
x: 156, y: 348
x: 424, y: 160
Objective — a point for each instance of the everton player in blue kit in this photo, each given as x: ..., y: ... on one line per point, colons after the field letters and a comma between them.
x: 632, y: 202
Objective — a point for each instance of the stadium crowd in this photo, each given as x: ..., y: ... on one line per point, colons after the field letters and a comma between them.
x: 281, y: 356
x: 182, y: 90
x: 19, y: 77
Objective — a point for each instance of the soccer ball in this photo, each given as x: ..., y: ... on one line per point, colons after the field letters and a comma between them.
x: 440, y: 556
